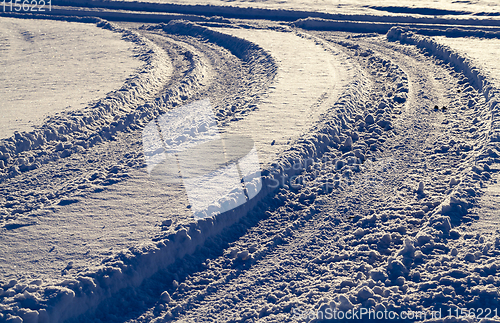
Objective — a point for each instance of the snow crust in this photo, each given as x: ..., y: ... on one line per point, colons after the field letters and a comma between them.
x: 408, y: 252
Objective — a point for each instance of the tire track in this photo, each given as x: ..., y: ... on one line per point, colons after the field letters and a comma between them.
x: 296, y: 257
x: 58, y: 189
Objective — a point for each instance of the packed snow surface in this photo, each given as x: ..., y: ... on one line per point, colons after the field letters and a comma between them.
x: 309, y: 79
x: 54, y: 66
x: 484, y: 52
x: 365, y: 165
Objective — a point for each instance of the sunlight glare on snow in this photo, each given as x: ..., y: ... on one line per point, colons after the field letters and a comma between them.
x: 483, y: 51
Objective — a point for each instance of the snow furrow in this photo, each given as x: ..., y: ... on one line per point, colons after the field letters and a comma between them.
x: 301, y: 256
x: 75, y: 296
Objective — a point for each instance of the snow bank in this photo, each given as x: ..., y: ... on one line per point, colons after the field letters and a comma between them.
x: 342, y: 25
x: 459, y: 32
x: 383, y: 26
x: 241, y: 48
x: 269, y: 14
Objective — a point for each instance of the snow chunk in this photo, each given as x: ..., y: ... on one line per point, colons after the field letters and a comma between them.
x: 345, y: 304
x: 441, y: 223
x: 369, y: 119
x: 454, y: 181
x: 364, y: 293
x: 408, y: 248
x: 165, y: 297
x: 396, y: 268
x: 469, y: 257
x: 378, y: 274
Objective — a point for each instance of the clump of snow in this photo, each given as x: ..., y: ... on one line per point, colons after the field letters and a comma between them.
x: 90, y: 124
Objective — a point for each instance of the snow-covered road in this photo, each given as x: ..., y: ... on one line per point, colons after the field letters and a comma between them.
x: 292, y: 105
x: 383, y: 147
x: 55, y: 66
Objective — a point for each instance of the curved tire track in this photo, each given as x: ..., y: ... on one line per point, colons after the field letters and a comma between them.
x: 293, y: 246
x: 298, y: 255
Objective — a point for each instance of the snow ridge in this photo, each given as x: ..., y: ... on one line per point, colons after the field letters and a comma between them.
x: 65, y: 134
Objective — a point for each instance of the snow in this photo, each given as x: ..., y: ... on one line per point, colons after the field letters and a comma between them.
x: 482, y: 51
x: 369, y: 7
x: 309, y: 79
x: 55, y: 66
x: 251, y: 170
